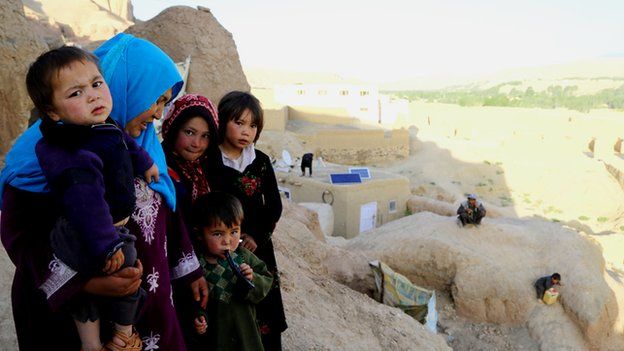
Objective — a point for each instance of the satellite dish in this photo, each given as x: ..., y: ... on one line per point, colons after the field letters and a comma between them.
x: 287, y: 158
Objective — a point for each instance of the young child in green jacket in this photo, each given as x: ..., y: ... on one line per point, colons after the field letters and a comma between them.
x: 229, y: 321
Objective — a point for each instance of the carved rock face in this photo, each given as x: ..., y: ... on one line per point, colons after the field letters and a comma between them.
x: 182, y: 31
x: 19, y: 46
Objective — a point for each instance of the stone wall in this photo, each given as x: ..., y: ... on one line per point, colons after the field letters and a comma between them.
x: 322, y: 115
x: 360, y: 147
x: 275, y: 118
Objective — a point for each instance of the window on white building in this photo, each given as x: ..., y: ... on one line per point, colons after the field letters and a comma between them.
x: 364, y: 92
x: 344, y: 92
x: 300, y: 92
x: 322, y: 92
x: 392, y: 206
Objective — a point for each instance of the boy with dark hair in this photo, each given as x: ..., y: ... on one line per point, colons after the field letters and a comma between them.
x: 90, y: 165
x: 543, y: 284
x: 229, y: 322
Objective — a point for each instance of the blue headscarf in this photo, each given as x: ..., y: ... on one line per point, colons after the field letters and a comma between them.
x: 138, y: 73
x: 22, y: 168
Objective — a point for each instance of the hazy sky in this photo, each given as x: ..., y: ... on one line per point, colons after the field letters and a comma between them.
x: 394, y: 39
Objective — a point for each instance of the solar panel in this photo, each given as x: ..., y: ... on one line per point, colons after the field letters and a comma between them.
x: 364, y: 172
x: 345, y: 178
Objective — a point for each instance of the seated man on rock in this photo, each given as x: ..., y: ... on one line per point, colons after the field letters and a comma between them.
x: 470, y: 211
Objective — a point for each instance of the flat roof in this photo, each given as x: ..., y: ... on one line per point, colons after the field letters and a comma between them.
x: 321, y: 174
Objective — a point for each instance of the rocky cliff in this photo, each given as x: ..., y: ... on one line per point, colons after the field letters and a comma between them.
x: 82, y: 21
x: 182, y: 31
x: 19, y: 46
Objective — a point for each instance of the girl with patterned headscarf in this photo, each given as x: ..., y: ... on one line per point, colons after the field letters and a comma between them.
x: 189, y: 131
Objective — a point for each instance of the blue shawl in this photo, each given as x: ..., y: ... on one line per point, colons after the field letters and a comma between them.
x: 138, y: 73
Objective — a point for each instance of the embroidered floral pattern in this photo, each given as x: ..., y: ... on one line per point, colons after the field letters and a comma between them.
x: 165, y: 247
x: 60, y: 274
x: 186, y: 264
x: 147, y: 205
x: 152, y: 280
x: 151, y: 342
x: 250, y: 184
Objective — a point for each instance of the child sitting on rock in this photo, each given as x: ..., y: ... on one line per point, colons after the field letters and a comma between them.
x: 543, y: 284
x: 229, y: 322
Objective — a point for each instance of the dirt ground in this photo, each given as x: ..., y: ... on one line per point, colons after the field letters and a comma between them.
x: 465, y: 335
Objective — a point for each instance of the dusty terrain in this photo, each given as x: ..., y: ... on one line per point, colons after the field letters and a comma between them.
x: 543, y: 188
x: 526, y: 163
x: 530, y: 162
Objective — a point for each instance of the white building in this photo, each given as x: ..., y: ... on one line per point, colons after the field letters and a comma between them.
x: 359, y: 101
x: 363, y: 102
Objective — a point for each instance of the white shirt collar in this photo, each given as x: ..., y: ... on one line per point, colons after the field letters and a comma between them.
x: 245, y: 159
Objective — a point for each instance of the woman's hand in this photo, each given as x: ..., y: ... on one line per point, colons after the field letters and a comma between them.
x: 248, y: 242
x: 200, y: 291
x: 152, y: 174
x: 247, y: 271
x: 122, y: 283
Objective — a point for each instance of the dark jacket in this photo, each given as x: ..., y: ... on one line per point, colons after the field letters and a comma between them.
x: 477, y: 212
x: 90, y: 171
x: 256, y: 188
x: 542, y: 285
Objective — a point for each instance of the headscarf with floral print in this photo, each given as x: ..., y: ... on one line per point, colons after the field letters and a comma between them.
x: 187, y: 106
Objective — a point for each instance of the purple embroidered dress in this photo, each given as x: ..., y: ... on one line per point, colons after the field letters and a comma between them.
x: 138, y: 73
x: 165, y: 258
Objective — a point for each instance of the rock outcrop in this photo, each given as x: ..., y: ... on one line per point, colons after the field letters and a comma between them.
x: 182, y: 31
x: 19, y: 46
x: 417, y: 204
x: 323, y: 312
x: 121, y: 8
x: 325, y: 215
x: 8, y: 339
x: 85, y: 21
x: 490, y: 273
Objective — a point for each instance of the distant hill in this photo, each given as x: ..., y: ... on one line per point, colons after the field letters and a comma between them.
x: 595, y: 68
x: 582, y: 86
x: 605, y: 68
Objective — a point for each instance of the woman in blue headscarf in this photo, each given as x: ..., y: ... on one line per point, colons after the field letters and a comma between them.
x: 142, y: 79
